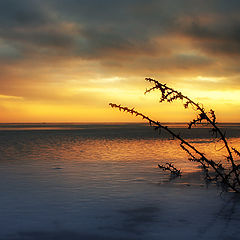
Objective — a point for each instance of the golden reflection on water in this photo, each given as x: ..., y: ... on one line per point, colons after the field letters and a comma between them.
x: 75, y: 159
x: 146, y: 153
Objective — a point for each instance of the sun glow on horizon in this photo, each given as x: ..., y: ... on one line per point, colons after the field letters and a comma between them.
x: 90, y: 104
x: 60, y: 63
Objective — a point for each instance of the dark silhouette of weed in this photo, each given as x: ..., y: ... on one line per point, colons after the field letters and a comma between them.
x: 170, y: 167
x: 228, y: 176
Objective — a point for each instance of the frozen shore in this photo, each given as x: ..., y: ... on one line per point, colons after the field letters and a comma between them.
x: 183, y: 209
x: 78, y: 184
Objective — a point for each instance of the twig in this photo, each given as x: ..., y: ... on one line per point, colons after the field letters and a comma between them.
x: 169, y: 94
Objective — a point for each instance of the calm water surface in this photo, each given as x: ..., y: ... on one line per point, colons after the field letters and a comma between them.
x: 95, y: 181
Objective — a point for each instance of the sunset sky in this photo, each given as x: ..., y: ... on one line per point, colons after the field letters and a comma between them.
x: 65, y: 60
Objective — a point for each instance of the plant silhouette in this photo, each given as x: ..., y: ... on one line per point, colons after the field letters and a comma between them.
x: 227, y: 175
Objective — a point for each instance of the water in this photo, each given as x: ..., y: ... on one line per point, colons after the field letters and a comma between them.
x: 101, y: 181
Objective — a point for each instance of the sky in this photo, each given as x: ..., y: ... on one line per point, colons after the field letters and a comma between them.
x: 65, y: 60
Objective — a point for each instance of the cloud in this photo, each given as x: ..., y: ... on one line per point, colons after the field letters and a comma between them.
x: 112, y: 29
x: 8, y: 52
x: 27, y: 13
x: 218, y: 38
x: 42, y: 42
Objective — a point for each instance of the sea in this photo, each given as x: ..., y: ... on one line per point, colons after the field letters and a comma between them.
x: 101, y: 181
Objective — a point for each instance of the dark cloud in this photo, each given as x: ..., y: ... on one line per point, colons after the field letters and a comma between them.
x: 8, y: 52
x: 95, y: 43
x: 123, y: 34
x: 218, y: 38
x: 111, y: 28
x: 50, y: 38
x: 104, y: 28
x: 14, y: 13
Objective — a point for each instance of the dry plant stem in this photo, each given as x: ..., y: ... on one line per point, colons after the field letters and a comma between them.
x: 202, y: 111
x: 159, y: 125
x: 170, y: 167
x: 236, y: 151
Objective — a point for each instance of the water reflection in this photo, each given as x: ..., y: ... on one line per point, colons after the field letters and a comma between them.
x: 61, y: 179
x: 40, y: 151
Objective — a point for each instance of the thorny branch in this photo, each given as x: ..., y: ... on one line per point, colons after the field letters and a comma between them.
x: 168, y: 94
x: 170, y: 167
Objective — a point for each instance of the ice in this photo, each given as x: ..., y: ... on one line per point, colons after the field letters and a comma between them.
x: 66, y: 185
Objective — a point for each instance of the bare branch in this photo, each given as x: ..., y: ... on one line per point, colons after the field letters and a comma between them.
x: 169, y: 95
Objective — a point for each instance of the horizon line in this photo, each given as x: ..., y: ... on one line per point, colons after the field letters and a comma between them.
x: 105, y: 122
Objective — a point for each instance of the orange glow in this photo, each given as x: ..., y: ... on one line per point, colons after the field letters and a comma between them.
x: 90, y: 104
x: 64, y: 64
